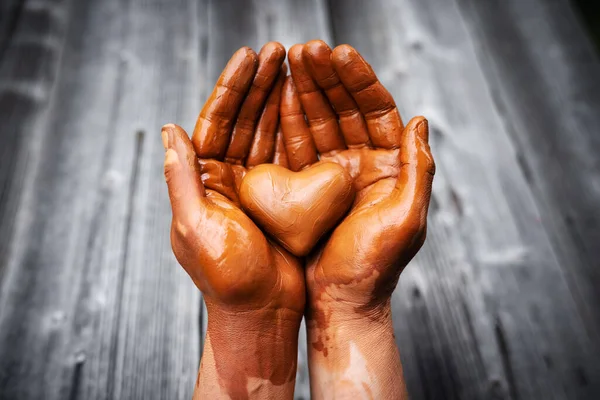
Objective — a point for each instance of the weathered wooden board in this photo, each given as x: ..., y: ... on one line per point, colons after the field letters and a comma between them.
x: 550, y: 106
x: 93, y: 304
x: 500, y: 303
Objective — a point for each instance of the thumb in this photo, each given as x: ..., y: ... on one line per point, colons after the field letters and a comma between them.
x: 409, y: 201
x: 417, y: 165
x: 182, y: 173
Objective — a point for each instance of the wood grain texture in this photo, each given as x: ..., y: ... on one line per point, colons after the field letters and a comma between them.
x: 500, y: 304
x: 550, y: 107
x: 93, y: 303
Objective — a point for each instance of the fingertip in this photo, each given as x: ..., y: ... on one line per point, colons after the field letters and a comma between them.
x: 271, y: 56
x: 354, y: 71
x: 420, y: 126
x: 173, y: 130
x: 316, y: 44
x: 416, y: 146
x: 423, y: 129
x: 317, y: 49
x: 177, y: 139
x: 244, y: 59
x: 171, y: 134
x: 274, y: 48
x: 343, y: 54
x: 317, y: 60
x: 165, y: 134
x: 246, y: 53
x: 303, y: 80
x: 170, y: 125
x: 296, y: 62
x: 279, y: 155
x: 295, y: 53
x: 289, y: 97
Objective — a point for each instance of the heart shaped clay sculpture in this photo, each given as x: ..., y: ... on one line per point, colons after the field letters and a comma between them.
x: 297, y: 208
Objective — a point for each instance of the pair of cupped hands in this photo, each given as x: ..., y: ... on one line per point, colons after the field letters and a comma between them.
x: 297, y: 195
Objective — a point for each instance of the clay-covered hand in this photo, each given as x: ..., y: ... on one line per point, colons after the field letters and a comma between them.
x: 353, y: 121
x: 253, y: 289
x: 335, y: 109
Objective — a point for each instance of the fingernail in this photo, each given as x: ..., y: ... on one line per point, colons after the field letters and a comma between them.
x: 423, y: 129
x: 165, y: 139
x: 166, y: 135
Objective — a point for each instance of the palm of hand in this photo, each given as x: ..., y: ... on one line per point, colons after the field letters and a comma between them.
x: 368, y: 250
x: 249, y: 270
x: 391, y: 168
x: 227, y: 256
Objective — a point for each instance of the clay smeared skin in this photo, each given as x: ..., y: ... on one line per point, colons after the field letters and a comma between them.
x: 352, y: 120
x: 254, y: 289
x: 297, y: 208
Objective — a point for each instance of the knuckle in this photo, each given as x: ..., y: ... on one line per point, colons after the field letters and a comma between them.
x: 298, y: 142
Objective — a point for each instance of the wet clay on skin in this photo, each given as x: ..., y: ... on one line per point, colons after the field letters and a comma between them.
x: 254, y: 288
x: 297, y: 208
x: 335, y: 109
x: 269, y: 356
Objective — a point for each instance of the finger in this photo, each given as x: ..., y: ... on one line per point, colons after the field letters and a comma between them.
x: 220, y: 177
x: 211, y: 134
x: 374, y: 101
x: 270, y: 58
x: 410, y: 198
x: 182, y: 174
x: 263, y: 143
x: 280, y: 156
x: 297, y: 140
x: 322, y: 121
x: 317, y: 60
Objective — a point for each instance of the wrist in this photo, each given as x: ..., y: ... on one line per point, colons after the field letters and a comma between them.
x: 330, y: 302
x: 333, y: 327
x: 251, y: 354
x: 353, y: 353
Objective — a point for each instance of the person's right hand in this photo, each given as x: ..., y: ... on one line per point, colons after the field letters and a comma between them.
x: 253, y: 288
x: 335, y: 109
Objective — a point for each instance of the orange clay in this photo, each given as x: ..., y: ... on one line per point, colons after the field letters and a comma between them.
x: 297, y: 208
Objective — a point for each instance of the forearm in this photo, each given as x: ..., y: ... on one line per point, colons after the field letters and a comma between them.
x: 249, y: 359
x: 354, y: 356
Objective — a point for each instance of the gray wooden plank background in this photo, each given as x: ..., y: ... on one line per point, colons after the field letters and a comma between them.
x: 500, y: 304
